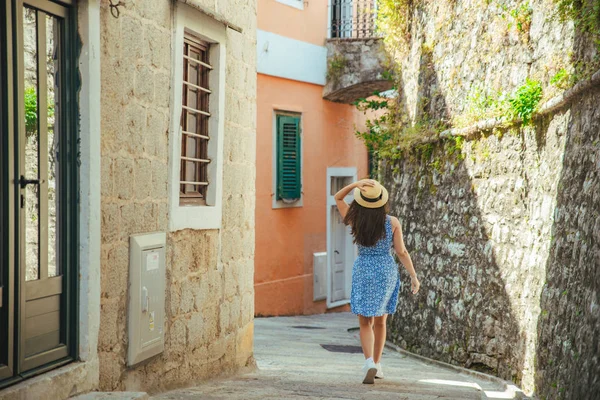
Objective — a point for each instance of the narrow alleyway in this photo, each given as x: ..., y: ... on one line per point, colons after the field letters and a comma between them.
x: 294, y: 364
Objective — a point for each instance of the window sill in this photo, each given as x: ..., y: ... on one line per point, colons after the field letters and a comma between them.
x: 281, y: 204
x: 195, y: 217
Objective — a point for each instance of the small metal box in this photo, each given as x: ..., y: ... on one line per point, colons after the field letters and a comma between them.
x: 319, y: 276
x: 146, y: 309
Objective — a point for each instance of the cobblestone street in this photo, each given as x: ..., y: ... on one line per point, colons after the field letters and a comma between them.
x: 293, y: 364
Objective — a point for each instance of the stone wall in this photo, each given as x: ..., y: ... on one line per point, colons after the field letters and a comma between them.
x: 503, y: 229
x: 209, y: 307
x: 356, y: 68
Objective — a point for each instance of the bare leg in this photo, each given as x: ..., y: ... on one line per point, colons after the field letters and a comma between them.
x: 366, y: 335
x: 380, y: 334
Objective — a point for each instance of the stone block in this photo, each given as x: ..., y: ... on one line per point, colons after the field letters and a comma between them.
x: 224, y: 318
x: 211, y: 330
x: 176, y: 339
x: 115, y: 272
x: 127, y: 221
x: 144, y: 218
x: 142, y: 179
x: 157, y: 46
x: 189, y: 287
x: 157, y: 11
x: 144, y: 84
x: 245, y: 343
x: 160, y: 210
x: 110, y: 222
x: 123, y: 175
x: 217, y: 348
x: 162, y: 85
x: 159, y: 182
x: 195, y: 329
x: 109, y: 324
x: 106, y: 177
x: 156, y: 134
x: 230, y: 280
x: 132, y: 38
x: 132, y: 138
x: 111, y: 367
x: 173, y: 298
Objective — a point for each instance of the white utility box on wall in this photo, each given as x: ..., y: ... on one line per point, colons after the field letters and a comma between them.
x: 319, y: 276
x: 146, y: 310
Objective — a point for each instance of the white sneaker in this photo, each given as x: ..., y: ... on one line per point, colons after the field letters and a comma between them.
x: 379, y: 374
x: 369, y: 370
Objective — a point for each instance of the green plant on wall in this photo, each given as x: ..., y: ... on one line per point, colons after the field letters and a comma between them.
x: 522, y: 17
x: 335, y: 68
x: 524, y: 102
x: 585, y: 14
x: 518, y: 16
x: 562, y: 79
x: 393, y: 20
x: 482, y: 105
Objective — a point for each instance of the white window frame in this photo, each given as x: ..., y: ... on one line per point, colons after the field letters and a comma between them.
x: 299, y: 4
x: 276, y: 204
x: 207, y: 216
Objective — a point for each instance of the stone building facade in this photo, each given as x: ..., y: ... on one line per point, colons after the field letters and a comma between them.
x: 209, y: 275
x: 131, y: 62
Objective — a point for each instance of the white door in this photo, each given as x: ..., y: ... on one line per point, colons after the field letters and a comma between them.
x: 341, y: 250
x: 338, y: 258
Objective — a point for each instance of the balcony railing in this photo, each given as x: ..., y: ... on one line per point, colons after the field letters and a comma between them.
x: 353, y: 19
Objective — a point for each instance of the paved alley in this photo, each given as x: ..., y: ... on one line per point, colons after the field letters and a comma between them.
x: 316, y: 357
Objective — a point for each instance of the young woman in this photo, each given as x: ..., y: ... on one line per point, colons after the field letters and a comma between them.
x: 375, y: 277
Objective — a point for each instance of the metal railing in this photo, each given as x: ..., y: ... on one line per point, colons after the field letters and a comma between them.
x: 353, y: 19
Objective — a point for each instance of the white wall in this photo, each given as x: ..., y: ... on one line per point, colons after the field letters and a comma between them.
x: 290, y: 59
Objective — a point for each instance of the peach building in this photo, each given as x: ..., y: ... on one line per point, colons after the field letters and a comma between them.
x: 306, y: 150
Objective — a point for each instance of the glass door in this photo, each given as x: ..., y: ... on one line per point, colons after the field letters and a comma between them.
x: 41, y: 171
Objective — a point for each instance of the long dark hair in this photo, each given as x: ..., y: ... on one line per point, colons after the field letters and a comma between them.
x: 368, y: 224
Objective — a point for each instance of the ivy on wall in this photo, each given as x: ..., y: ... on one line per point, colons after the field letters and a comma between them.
x: 390, y: 133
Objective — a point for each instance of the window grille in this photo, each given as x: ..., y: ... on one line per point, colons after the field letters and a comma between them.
x: 353, y: 19
x: 195, y: 117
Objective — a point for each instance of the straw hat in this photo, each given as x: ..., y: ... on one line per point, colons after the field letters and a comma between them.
x: 372, y: 197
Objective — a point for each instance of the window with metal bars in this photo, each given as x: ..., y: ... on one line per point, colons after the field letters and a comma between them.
x: 194, y: 121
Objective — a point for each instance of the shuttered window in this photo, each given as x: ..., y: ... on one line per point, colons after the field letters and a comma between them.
x: 194, y: 122
x: 289, y: 177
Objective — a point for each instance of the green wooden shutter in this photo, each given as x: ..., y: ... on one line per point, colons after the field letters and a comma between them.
x: 289, y: 157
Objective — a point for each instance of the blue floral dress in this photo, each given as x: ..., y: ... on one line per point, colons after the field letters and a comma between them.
x: 375, y: 278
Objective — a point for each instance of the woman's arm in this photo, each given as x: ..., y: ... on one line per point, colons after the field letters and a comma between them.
x: 341, y: 195
x: 403, y: 255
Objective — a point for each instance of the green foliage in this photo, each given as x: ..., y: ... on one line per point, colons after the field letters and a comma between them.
x: 336, y: 67
x: 31, y: 120
x: 522, y: 17
x: 525, y: 100
x: 561, y: 79
x: 585, y: 14
x: 454, y: 145
x: 31, y: 110
x: 393, y: 21
x: 482, y: 105
x: 387, y: 135
x: 519, y: 16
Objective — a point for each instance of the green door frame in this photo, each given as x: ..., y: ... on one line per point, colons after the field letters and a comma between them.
x: 12, y: 281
